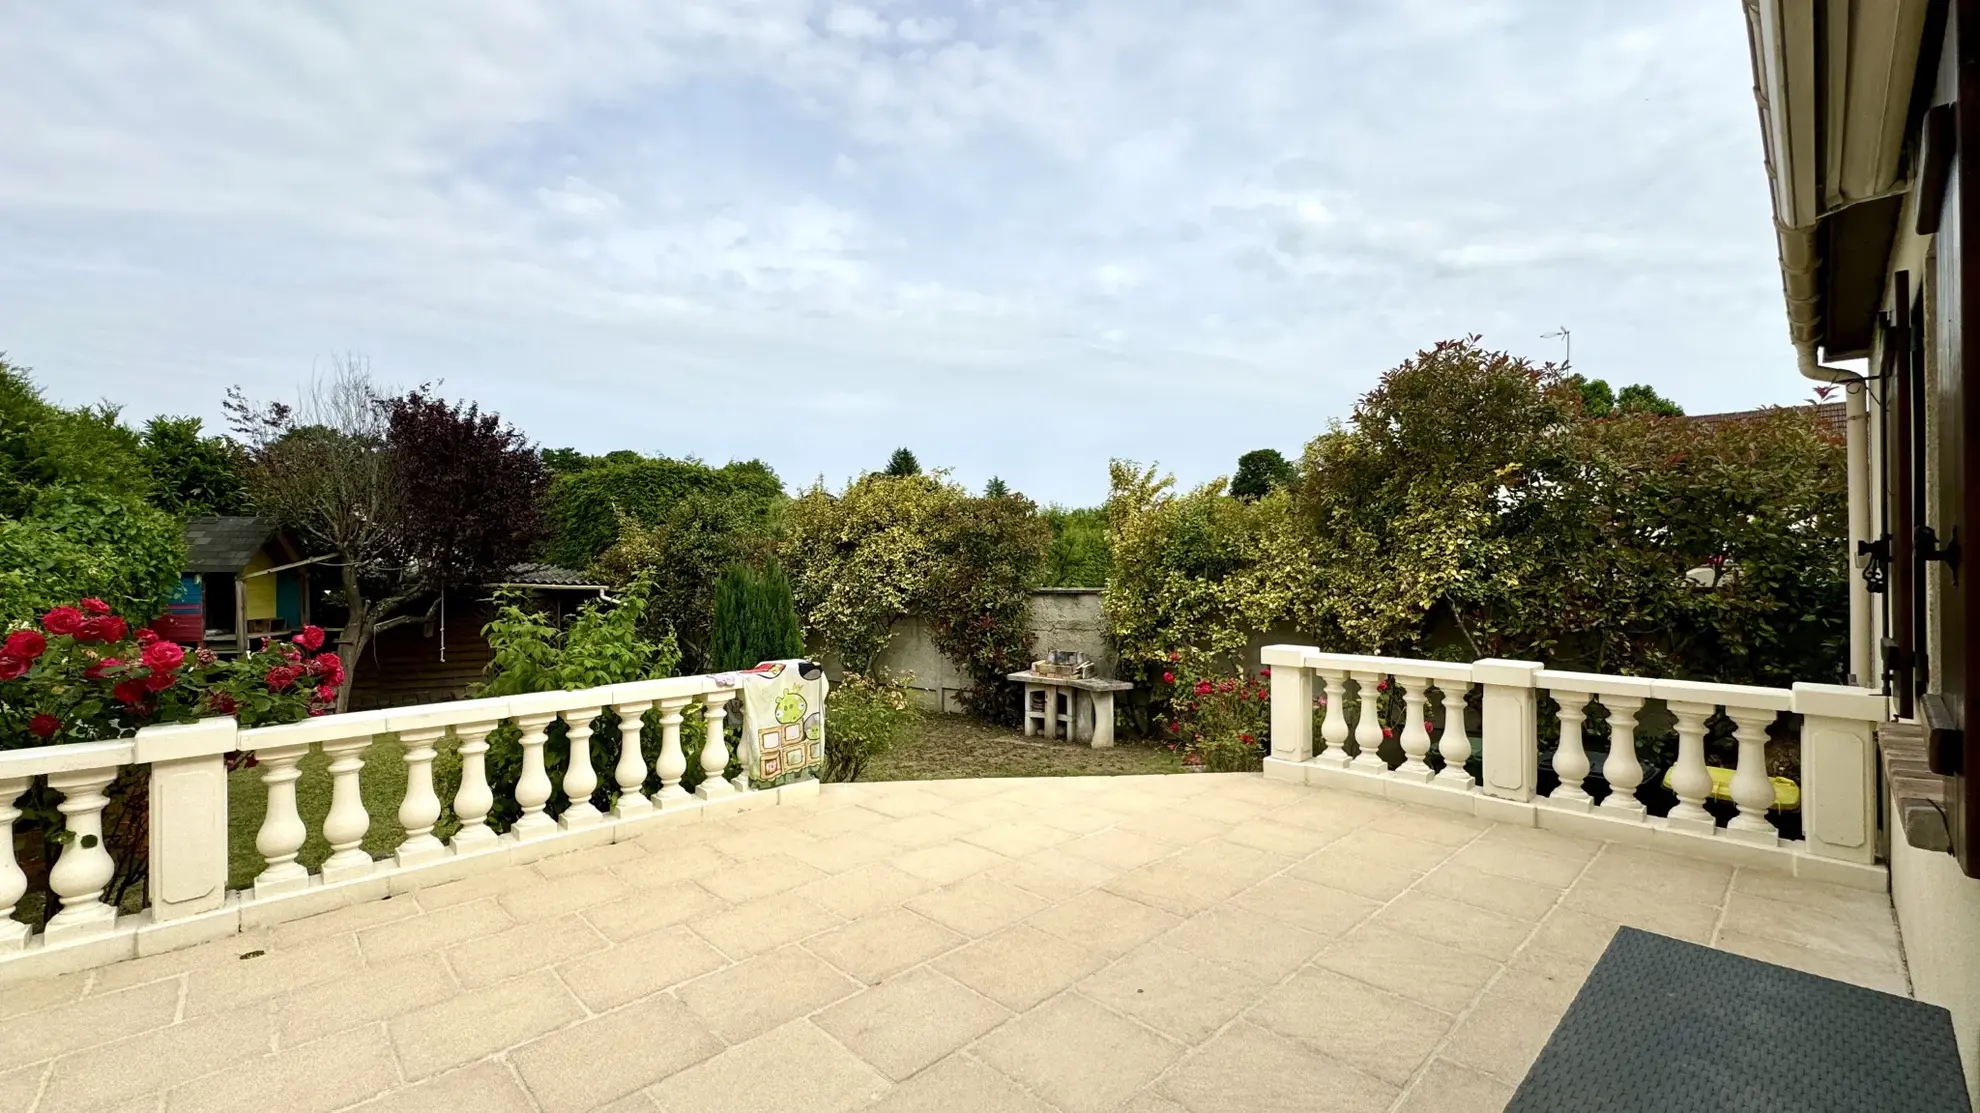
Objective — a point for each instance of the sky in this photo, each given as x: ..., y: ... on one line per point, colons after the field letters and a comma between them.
x: 1018, y: 237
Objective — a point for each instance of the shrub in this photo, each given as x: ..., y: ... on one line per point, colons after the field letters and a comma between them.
x: 682, y: 556
x: 977, y: 600
x: 76, y: 543
x: 587, y: 506
x: 193, y: 474
x: 865, y: 717
x: 1219, y: 720
x: 755, y: 618
x: 1079, y: 554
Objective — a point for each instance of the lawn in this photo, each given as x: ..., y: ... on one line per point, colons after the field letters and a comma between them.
x: 958, y: 746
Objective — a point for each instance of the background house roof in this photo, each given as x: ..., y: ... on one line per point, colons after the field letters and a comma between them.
x: 538, y: 574
x: 1833, y: 416
x: 224, y: 545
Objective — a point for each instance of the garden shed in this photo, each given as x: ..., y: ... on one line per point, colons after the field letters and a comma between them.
x: 245, y: 578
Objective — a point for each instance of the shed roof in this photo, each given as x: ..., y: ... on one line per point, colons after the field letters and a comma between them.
x: 539, y: 574
x: 224, y: 545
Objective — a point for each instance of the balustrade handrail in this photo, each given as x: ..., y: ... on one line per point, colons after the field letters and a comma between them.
x: 187, y: 898
x: 1837, y: 750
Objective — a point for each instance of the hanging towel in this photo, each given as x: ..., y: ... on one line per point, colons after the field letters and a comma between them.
x: 783, y: 726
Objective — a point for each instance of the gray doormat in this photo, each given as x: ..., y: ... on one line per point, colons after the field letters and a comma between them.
x: 1671, y: 1027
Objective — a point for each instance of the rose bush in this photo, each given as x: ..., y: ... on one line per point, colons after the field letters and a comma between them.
x: 1219, y: 721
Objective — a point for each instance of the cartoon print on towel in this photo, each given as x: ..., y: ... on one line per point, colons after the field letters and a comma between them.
x: 783, y: 721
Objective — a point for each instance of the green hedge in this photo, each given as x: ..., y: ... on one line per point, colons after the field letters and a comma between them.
x: 585, y: 505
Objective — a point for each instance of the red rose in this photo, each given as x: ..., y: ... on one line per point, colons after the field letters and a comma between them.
x: 62, y: 620
x: 314, y: 711
x: 1168, y: 678
x: 1382, y: 686
x: 112, y: 628
x: 326, y: 693
x: 328, y: 667
x: 163, y: 656
x: 12, y: 667
x: 95, y: 671
x: 1264, y: 674
x: 159, y: 680
x: 311, y: 638
x: 146, y: 635
x: 93, y: 605
x: 281, y: 677
x: 25, y: 643
x: 1427, y: 725
x: 43, y: 725
x: 1175, y: 654
x: 129, y: 692
x: 206, y: 657
x: 1247, y: 738
x: 1387, y: 734
x: 1203, y: 687
x: 221, y: 702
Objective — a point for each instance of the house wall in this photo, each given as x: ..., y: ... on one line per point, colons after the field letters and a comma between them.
x: 1938, y: 912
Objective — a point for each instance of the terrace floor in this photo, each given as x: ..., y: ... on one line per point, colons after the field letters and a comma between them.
x: 1160, y: 943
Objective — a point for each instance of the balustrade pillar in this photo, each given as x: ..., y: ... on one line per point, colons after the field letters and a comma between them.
x: 1334, y: 727
x: 1571, y: 756
x: 1752, y: 789
x: 580, y: 779
x: 282, y: 832
x: 631, y: 770
x: 1454, y: 744
x: 84, y: 867
x: 474, y: 799
x: 1368, y: 725
x: 1622, y: 769
x: 420, y: 810
x: 13, y: 880
x: 1689, y: 778
x: 1415, y: 739
x: 533, y: 785
x: 344, y: 828
x: 715, y: 750
x: 672, y: 764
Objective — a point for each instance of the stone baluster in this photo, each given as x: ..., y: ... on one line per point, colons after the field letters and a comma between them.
x: 533, y: 785
x: 1454, y: 744
x: 1334, y: 728
x: 1752, y: 790
x: 631, y: 770
x: 1689, y: 778
x: 84, y: 866
x: 344, y: 828
x: 672, y: 764
x: 1368, y: 725
x: 1415, y: 738
x: 282, y: 832
x: 13, y: 880
x: 1622, y: 770
x: 714, y: 751
x: 474, y: 799
x: 1571, y: 756
x: 420, y: 810
x: 580, y: 779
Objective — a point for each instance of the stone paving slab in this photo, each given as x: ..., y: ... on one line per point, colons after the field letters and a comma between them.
x: 1204, y: 943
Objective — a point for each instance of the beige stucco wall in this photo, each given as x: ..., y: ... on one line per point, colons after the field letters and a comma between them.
x: 1938, y: 908
x: 1061, y: 618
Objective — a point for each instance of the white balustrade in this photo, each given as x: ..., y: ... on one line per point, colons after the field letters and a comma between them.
x: 1621, y: 768
x: 533, y: 785
x: 282, y: 832
x: 13, y: 880
x: 1452, y: 744
x: 1368, y: 725
x: 83, y: 867
x: 672, y: 764
x: 1752, y: 789
x: 580, y: 779
x: 1571, y: 755
x: 714, y: 750
x: 1415, y: 738
x: 1690, y: 778
x: 475, y: 799
x: 631, y: 770
x: 1334, y: 728
x: 344, y: 828
x: 421, y: 808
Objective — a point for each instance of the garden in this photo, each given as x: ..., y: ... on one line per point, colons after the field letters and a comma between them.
x: 1472, y: 505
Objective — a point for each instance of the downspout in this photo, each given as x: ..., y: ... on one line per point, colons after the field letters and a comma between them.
x: 1856, y: 431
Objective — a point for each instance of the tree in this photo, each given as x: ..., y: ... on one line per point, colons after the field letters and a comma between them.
x: 1261, y: 472
x: 1598, y: 399
x: 588, y: 508
x: 988, y: 555
x: 564, y: 461
x: 408, y: 494
x: 43, y: 445
x: 755, y: 618
x: 684, y: 555
x: 902, y: 463
x: 1079, y: 552
x: 1642, y: 399
x: 996, y: 488
x: 193, y: 475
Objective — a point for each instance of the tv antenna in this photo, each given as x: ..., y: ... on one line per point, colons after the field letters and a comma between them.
x: 1567, y: 342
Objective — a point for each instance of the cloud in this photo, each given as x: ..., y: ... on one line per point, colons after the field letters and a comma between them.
x: 1041, y: 234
